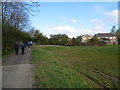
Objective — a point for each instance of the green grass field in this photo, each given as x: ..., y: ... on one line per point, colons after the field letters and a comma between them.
x: 75, y: 67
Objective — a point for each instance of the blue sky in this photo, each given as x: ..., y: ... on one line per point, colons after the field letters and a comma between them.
x: 75, y: 18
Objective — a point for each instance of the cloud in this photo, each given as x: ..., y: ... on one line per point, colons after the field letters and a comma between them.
x: 99, y: 28
x: 47, y: 28
x: 114, y: 13
x: 85, y: 31
x: 98, y: 22
x: 94, y: 30
x: 71, y: 30
x: 68, y: 19
x: 73, y: 20
x: 112, y: 17
x: 65, y: 29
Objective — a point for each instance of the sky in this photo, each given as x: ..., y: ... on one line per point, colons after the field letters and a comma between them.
x: 61, y: 0
x: 75, y: 18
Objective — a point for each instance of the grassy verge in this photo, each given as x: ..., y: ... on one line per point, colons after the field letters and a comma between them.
x: 8, y: 54
x: 75, y: 67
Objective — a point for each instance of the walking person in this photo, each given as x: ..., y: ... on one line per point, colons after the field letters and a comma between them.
x: 16, y: 47
x: 29, y: 44
x: 23, y: 48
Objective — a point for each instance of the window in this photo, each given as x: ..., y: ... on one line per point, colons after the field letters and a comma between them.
x: 84, y: 38
x: 89, y: 37
x: 110, y: 37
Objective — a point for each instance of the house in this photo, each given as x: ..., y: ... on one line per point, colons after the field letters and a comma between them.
x: 85, y: 38
x: 108, y: 38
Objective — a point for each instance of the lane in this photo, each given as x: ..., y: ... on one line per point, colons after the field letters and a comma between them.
x: 19, y: 59
x: 17, y: 71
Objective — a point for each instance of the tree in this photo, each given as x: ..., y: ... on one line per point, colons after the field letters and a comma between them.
x: 63, y: 39
x: 113, y: 30
x: 73, y: 41
x: 96, y: 42
x: 79, y: 40
x: 31, y: 32
x: 59, y: 39
x: 118, y: 34
x: 36, y: 34
x: 39, y: 38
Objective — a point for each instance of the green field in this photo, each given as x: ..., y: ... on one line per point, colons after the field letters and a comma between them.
x: 75, y: 67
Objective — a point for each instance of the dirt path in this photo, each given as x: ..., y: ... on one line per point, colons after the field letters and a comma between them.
x: 17, y: 71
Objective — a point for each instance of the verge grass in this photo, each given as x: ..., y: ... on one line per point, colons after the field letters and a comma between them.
x: 9, y: 53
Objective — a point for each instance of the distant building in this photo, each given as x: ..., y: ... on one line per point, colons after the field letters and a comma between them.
x: 85, y: 38
x: 108, y: 38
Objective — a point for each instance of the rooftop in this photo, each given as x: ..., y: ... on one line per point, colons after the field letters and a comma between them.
x: 105, y: 35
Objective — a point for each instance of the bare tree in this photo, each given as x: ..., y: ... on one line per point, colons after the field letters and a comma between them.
x: 17, y: 13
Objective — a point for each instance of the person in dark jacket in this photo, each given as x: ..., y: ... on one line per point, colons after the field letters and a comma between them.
x: 16, y: 47
x: 23, y: 47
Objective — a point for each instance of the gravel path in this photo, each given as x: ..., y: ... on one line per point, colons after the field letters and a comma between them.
x: 17, y: 72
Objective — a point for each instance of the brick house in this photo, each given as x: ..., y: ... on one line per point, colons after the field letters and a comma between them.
x: 108, y: 38
x: 85, y: 38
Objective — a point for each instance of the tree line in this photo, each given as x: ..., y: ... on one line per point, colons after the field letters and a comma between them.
x: 55, y: 39
x: 63, y: 39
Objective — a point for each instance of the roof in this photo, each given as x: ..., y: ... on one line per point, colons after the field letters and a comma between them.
x: 105, y: 35
x: 87, y: 35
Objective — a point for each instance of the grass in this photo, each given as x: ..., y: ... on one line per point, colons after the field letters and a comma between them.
x: 7, y: 54
x: 75, y: 67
